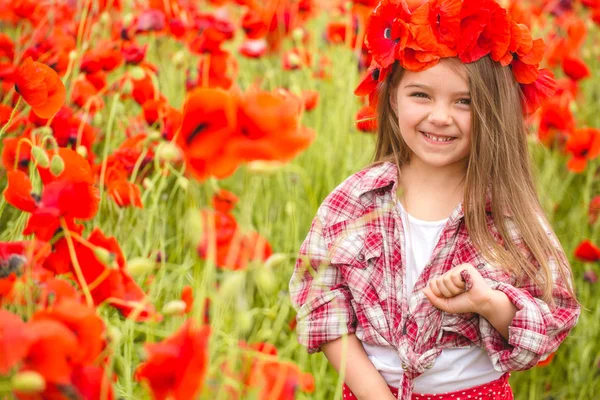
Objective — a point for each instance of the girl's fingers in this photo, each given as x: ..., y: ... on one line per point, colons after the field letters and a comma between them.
x: 457, y: 280
x: 441, y: 285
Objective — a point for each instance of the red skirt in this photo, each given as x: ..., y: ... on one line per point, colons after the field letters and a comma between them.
x: 495, y: 390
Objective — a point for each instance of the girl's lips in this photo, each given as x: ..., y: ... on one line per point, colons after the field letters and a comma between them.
x: 435, y: 141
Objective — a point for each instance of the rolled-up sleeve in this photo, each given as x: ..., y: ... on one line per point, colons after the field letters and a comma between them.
x: 319, y: 294
x: 536, y: 331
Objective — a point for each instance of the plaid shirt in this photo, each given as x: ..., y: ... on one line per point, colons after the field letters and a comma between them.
x: 357, y: 285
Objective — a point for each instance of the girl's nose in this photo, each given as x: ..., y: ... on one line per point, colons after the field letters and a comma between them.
x: 439, y: 115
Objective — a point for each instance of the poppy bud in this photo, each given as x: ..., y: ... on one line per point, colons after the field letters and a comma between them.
x: 590, y: 276
x: 72, y: 55
x: 127, y: 87
x: 290, y: 208
x: 298, y: 34
x: 174, y: 307
x: 275, y: 260
x: 178, y: 59
x: 264, y: 279
x: 82, y: 151
x: 244, y: 321
x: 184, y: 183
x: 194, y: 226
x: 28, y: 382
x: 105, y: 17
x: 147, y: 183
x: 127, y: 19
x: 140, y: 265
x: 97, y: 119
x: 104, y: 256
x: 264, y: 167
x: 233, y: 284
x: 40, y: 156
x: 294, y: 60
x: 113, y: 334
x: 168, y: 152
x: 57, y: 165
x: 137, y: 73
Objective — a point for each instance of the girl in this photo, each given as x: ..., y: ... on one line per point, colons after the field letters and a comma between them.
x: 433, y: 273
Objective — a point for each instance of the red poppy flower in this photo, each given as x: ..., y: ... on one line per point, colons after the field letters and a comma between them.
x: 224, y: 201
x: 366, y: 119
x: 280, y: 380
x: 296, y: 58
x: 254, y: 24
x: 85, y: 95
x: 371, y: 79
x: 125, y: 193
x: 55, y: 290
x: 70, y: 196
x: 537, y: 92
x: 40, y: 87
x: 547, y: 361
x: 269, y: 128
x: 187, y: 296
x: 14, y: 341
x: 584, y: 145
x: 133, y: 54
x: 586, y: 251
x: 91, y: 382
x: 525, y: 64
x: 594, y: 210
x: 209, y: 121
x: 153, y: 109
x: 217, y: 70
x: 387, y: 32
x: 83, y: 322
x: 70, y: 131
x: 52, y: 347
x: 7, y: 47
x: 253, y: 48
x: 436, y: 26
x: 575, y: 68
x: 310, y: 98
x: 484, y: 29
x: 177, y: 366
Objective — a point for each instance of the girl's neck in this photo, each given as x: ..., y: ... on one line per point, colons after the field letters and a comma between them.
x: 441, y: 179
x: 430, y: 193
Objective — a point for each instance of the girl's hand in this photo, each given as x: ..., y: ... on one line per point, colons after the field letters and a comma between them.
x: 460, y: 290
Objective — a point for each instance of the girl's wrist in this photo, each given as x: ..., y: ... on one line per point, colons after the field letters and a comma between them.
x: 487, y: 306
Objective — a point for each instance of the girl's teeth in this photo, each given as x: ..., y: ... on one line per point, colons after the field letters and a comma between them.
x: 436, y: 138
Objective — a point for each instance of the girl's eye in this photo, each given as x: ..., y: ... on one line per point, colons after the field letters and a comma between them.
x: 465, y: 101
x: 419, y: 94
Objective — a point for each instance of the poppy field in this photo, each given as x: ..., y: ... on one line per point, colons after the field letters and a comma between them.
x: 162, y: 161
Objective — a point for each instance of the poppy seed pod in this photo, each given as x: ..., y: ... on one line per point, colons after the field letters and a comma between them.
x: 40, y: 156
x: 27, y: 382
x: 174, y: 307
x: 168, y: 152
x: 178, y: 59
x: 264, y: 279
x: 140, y: 265
x: 82, y: 151
x: 57, y: 165
x: 104, y: 256
x: 137, y: 73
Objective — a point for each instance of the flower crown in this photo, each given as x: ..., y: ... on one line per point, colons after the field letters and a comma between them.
x: 467, y: 29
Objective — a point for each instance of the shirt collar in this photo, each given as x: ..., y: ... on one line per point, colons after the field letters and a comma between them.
x: 383, y: 177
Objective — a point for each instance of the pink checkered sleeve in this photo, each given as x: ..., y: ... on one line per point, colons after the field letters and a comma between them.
x: 536, y: 330
x: 319, y: 294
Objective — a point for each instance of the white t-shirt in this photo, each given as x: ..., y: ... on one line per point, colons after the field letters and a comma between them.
x: 455, y: 368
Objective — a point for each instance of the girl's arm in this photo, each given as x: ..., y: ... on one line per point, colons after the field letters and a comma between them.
x: 499, y: 311
x: 360, y: 374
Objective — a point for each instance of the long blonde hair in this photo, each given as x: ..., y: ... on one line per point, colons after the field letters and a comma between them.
x: 499, y: 159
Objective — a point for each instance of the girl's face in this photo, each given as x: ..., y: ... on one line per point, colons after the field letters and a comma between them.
x: 434, y: 115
